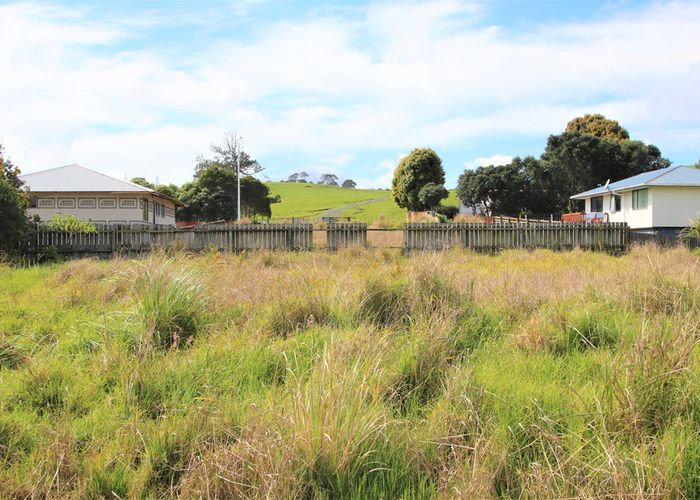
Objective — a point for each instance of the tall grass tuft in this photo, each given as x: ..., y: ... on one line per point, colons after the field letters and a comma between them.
x: 172, y: 303
x: 10, y: 355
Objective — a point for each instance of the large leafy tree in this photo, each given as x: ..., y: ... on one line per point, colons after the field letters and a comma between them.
x: 591, y: 151
x: 212, y: 195
x: 575, y: 162
x: 13, y: 207
x: 420, y: 167
x: 513, y: 188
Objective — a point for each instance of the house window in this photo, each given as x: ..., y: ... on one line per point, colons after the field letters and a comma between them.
x: 597, y: 204
x: 618, y: 202
x: 144, y: 210
x: 640, y: 199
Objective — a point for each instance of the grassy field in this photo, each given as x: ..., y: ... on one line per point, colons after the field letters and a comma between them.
x: 311, y: 201
x: 359, y: 374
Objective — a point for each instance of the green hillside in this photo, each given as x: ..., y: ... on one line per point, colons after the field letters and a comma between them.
x: 313, y: 201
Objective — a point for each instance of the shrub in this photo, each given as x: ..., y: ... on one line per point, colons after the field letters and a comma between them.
x: 449, y: 211
x: 171, y: 304
x: 71, y: 224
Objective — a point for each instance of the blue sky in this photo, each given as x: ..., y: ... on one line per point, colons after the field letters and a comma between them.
x: 142, y: 88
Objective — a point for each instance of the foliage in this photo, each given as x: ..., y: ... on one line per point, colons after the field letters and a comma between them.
x: 528, y: 374
x: 71, y: 224
x: 212, y: 195
x: 298, y: 177
x: 418, y: 168
x: 329, y: 179
x: 432, y: 194
x: 572, y: 162
x: 599, y: 126
x: 13, y: 206
x: 349, y: 184
x: 141, y: 181
x: 449, y: 211
x: 227, y: 154
x: 169, y: 190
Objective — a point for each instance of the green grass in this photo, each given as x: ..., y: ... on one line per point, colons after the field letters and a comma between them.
x: 312, y: 200
x: 354, y: 374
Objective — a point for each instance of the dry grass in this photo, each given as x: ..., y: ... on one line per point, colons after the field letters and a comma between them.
x: 358, y: 373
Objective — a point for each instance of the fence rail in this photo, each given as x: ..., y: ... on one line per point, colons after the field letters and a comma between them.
x: 492, y: 237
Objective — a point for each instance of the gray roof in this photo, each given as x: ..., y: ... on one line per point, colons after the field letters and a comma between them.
x: 75, y: 178
x: 671, y: 176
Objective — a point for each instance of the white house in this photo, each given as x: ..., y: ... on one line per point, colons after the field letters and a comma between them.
x: 90, y: 195
x: 661, y: 201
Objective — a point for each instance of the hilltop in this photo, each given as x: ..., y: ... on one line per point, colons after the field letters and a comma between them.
x: 313, y: 201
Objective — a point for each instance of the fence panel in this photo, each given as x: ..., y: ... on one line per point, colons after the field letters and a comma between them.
x: 222, y: 237
x: 498, y: 236
x: 345, y: 234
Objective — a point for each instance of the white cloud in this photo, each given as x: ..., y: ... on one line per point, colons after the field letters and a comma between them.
x: 484, y: 161
x: 395, y: 77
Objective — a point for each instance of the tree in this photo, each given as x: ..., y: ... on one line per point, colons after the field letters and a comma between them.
x: 574, y: 162
x: 599, y: 126
x: 13, y: 206
x: 420, y: 167
x: 349, y: 184
x: 329, y: 179
x: 227, y: 155
x: 509, y: 189
x: 432, y: 194
x: 212, y: 194
x: 170, y: 190
x: 298, y: 177
x: 141, y: 181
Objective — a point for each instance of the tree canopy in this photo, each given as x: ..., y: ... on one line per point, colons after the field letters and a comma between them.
x: 599, y: 126
x: 420, y: 167
x: 574, y: 161
x: 329, y: 179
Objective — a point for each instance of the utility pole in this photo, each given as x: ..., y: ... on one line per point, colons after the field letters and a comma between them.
x: 238, y: 177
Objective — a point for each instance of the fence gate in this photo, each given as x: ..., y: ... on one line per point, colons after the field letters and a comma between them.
x: 345, y: 234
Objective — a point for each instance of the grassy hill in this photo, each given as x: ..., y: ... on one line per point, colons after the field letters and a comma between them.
x: 313, y: 201
x: 353, y: 374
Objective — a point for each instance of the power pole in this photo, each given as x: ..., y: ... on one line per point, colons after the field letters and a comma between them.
x: 238, y: 178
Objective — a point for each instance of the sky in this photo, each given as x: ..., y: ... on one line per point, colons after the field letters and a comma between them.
x: 144, y: 88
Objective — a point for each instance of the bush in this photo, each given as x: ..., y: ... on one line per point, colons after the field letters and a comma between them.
x: 449, y: 211
x: 71, y: 224
x: 171, y: 304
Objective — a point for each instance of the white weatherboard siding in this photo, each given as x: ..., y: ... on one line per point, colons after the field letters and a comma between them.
x: 673, y: 198
x: 95, y: 207
x: 675, y: 206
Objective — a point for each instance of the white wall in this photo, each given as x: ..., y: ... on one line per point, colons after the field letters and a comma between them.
x: 675, y: 206
x: 69, y: 204
x: 668, y: 207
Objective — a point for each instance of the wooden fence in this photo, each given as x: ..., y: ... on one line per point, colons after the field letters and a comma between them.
x: 342, y: 234
x: 224, y: 237
x: 416, y: 236
x: 492, y: 237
